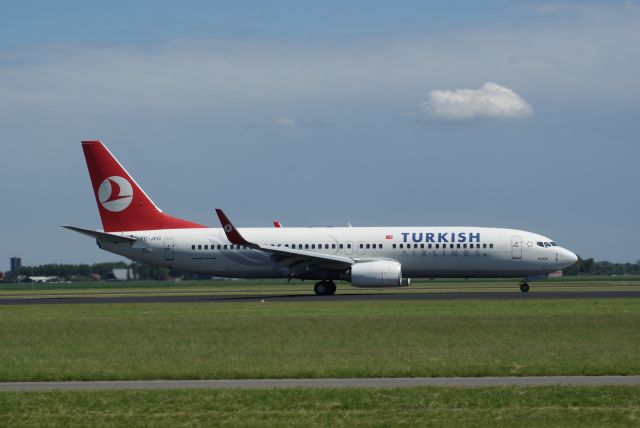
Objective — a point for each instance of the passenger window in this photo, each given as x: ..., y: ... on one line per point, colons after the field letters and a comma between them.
x: 464, y: 245
x: 313, y: 246
x: 429, y: 246
x: 361, y: 246
x: 333, y: 246
x: 341, y: 246
x: 368, y: 246
x: 225, y: 247
x: 401, y: 246
x: 326, y: 246
x: 437, y: 245
x: 490, y: 245
x: 457, y: 245
x: 349, y: 246
x: 206, y: 247
x: 450, y: 245
x: 306, y: 246
x: 193, y: 247
x: 421, y: 245
x: 199, y: 247
x: 380, y: 246
x: 484, y: 245
x: 393, y: 246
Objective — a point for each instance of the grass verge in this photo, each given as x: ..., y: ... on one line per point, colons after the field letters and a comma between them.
x: 323, y: 339
x: 495, y: 407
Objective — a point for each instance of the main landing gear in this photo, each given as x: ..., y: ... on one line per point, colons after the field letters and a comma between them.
x: 524, y: 286
x: 325, y: 288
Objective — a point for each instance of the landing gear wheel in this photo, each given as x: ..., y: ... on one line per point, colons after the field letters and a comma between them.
x: 321, y: 288
x: 332, y: 288
x: 324, y: 288
x: 524, y: 287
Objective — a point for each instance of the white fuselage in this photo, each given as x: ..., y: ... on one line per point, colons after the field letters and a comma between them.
x: 423, y: 252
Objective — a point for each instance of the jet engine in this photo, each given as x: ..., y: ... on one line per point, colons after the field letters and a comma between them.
x: 378, y: 273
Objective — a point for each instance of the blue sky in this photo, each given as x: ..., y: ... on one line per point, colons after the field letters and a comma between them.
x: 140, y: 22
x: 374, y: 113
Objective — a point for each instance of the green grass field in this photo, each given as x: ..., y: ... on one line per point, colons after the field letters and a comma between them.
x: 442, y: 407
x: 323, y: 339
x: 326, y: 339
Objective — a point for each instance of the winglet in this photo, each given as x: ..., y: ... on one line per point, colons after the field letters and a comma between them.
x: 229, y: 229
x: 277, y: 224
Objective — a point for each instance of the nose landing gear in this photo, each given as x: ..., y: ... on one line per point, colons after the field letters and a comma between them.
x: 325, y: 288
x: 524, y: 286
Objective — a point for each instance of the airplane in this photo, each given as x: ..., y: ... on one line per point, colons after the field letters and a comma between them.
x: 367, y: 257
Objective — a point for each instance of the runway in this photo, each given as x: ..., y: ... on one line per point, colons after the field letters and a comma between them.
x: 456, y: 382
x: 217, y: 298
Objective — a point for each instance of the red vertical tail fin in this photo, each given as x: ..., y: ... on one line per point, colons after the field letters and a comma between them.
x: 122, y: 204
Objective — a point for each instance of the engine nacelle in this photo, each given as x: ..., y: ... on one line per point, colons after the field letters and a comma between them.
x: 379, y: 273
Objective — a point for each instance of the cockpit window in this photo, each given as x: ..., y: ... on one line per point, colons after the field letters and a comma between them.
x: 540, y: 244
x: 546, y: 244
x: 553, y: 244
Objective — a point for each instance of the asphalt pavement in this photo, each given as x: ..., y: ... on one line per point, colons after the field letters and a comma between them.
x: 256, y: 297
x: 458, y: 382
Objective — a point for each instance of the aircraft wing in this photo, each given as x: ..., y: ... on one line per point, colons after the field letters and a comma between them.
x: 289, y: 256
x: 285, y: 251
x: 104, y: 236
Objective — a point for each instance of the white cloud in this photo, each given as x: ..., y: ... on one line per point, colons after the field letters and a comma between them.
x: 492, y: 100
x: 283, y: 122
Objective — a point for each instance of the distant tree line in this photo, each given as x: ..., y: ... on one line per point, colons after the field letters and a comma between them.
x: 592, y: 267
x: 65, y: 271
x: 88, y: 272
x: 96, y: 271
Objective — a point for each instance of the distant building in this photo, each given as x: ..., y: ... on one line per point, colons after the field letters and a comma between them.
x: 41, y: 279
x: 16, y: 263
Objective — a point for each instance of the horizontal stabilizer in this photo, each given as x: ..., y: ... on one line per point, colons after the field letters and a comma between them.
x: 103, y: 236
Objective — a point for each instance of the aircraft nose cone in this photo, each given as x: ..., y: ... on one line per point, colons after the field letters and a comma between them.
x: 573, y: 257
x: 569, y: 257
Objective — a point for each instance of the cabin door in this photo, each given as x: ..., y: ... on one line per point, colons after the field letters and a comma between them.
x: 168, y: 248
x: 516, y: 247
